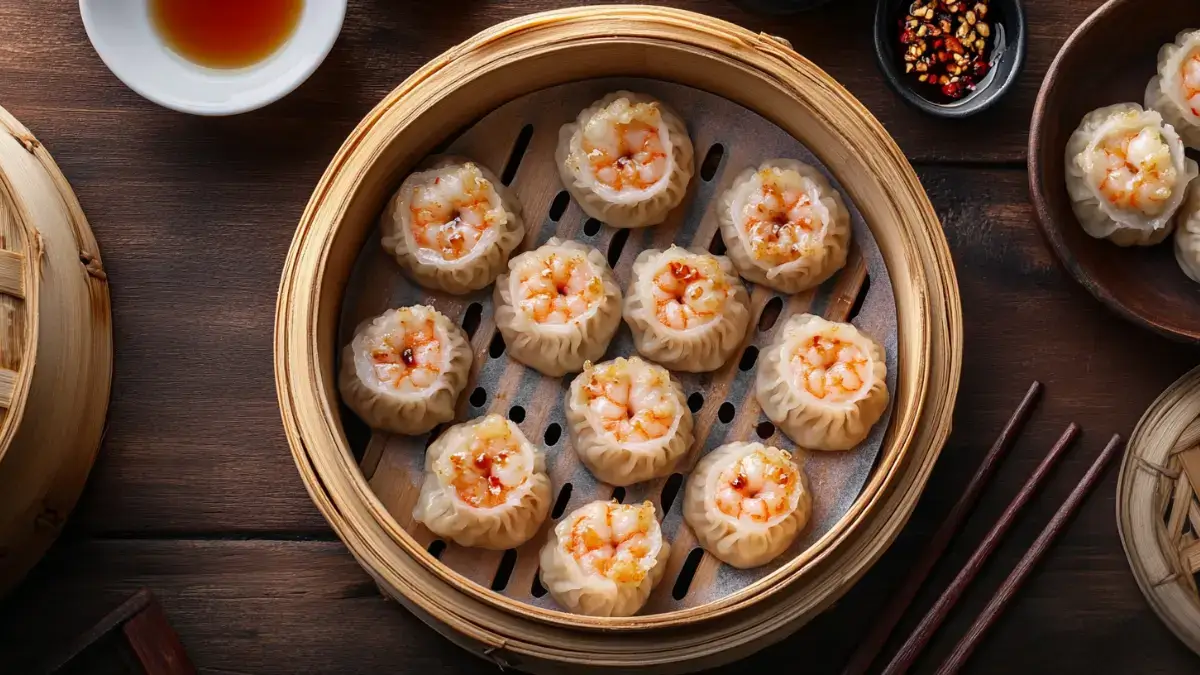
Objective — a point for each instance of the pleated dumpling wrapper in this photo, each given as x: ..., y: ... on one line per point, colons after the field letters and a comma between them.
x: 626, y: 160
x: 485, y: 485
x: 1175, y: 90
x: 784, y: 226
x: 629, y: 421
x: 823, y: 383
x: 453, y: 226
x: 404, y: 370
x: 1127, y: 175
x: 1187, y: 234
x: 688, y: 310
x: 746, y: 502
x: 558, y: 307
x: 604, y: 558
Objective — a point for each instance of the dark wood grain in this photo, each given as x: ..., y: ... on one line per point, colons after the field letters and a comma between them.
x: 195, y: 495
x: 1142, y: 283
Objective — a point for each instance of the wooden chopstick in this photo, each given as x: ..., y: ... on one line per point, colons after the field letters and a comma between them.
x: 868, y: 649
x: 999, y: 602
x: 929, y: 624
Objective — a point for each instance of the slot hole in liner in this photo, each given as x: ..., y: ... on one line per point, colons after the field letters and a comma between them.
x: 749, y: 357
x: 516, y: 414
x: 670, y: 491
x: 770, y: 314
x: 559, y: 206
x: 436, y: 547
x: 518, y: 152
x: 717, y: 245
x: 712, y: 162
x: 860, y: 298
x: 553, y: 433
x: 471, y: 319
x: 765, y: 430
x: 560, y: 504
x: 615, y: 247
x: 496, y: 348
x: 696, y: 402
x: 537, y: 590
x: 591, y: 227
x: 619, y: 494
x: 684, y: 580
x: 507, y: 563
x: 726, y: 412
x: 478, y: 397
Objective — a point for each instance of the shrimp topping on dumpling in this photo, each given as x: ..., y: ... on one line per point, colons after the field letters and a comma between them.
x: 1175, y: 89
x: 558, y: 307
x: 485, y: 485
x: 823, y: 383
x: 746, y: 502
x: 453, y: 226
x: 785, y: 226
x: 687, y: 310
x: 626, y: 160
x: 404, y: 370
x: 604, y: 558
x: 629, y: 421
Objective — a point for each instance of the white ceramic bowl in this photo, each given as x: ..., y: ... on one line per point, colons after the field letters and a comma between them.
x: 127, y: 42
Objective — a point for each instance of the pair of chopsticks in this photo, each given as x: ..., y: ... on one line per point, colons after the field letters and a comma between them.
x: 869, y: 648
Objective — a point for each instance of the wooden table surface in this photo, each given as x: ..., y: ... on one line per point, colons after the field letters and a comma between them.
x: 195, y: 495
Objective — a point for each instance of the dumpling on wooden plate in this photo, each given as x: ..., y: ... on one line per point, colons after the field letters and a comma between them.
x: 688, y: 310
x: 626, y: 160
x: 485, y: 485
x: 784, y: 226
x: 822, y: 383
x: 453, y: 226
x: 604, y: 558
x: 558, y: 307
x: 404, y: 370
x: 1175, y: 90
x: 746, y: 502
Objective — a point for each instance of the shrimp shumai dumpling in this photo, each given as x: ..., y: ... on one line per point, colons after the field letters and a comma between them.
x: 403, y: 370
x: 746, y: 502
x: 558, y: 307
x: 823, y: 383
x: 628, y: 420
x: 785, y: 226
x: 626, y: 160
x: 604, y: 558
x: 453, y: 226
x: 1187, y: 234
x: 1175, y: 90
x: 485, y: 485
x: 688, y: 310
x: 1127, y: 175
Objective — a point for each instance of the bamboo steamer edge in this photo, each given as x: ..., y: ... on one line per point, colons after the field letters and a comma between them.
x: 1158, y: 515
x: 551, y: 48
x: 55, y: 350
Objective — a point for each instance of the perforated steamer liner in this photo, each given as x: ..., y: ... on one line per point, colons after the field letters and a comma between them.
x: 542, y: 51
x: 518, y: 142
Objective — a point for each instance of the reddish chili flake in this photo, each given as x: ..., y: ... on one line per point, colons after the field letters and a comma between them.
x: 683, y: 272
x: 408, y: 357
x: 739, y: 481
x: 483, y: 462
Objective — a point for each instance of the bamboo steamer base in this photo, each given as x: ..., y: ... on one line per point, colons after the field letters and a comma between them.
x: 55, y: 350
x: 1158, y: 514
x: 519, y: 140
x: 321, y: 290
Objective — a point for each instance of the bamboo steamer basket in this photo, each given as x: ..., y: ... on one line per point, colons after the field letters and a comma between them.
x: 530, y: 54
x: 1158, y: 515
x: 55, y: 350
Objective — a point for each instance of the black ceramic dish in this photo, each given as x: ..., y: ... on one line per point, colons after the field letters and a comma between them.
x: 1006, y: 59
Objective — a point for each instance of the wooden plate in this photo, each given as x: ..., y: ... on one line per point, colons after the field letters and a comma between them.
x: 1109, y: 59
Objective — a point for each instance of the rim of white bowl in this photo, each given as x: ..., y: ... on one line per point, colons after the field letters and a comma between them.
x: 277, y: 88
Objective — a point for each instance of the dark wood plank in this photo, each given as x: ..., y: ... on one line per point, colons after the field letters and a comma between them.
x: 305, y: 607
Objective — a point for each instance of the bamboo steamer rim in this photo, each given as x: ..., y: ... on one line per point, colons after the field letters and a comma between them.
x: 316, y: 438
x: 1158, y: 475
x: 54, y: 402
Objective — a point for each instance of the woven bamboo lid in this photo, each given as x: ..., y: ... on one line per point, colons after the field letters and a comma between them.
x: 55, y: 350
x: 1157, y: 510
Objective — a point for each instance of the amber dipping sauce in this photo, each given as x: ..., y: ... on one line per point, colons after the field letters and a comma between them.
x: 225, y: 33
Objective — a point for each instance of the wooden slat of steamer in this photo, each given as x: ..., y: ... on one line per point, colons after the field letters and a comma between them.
x: 11, y: 282
x: 12, y: 307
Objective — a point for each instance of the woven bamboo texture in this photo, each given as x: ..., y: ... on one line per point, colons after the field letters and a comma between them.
x: 457, y: 90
